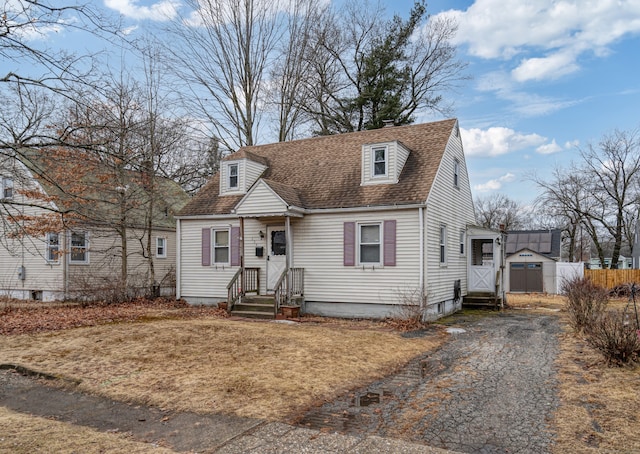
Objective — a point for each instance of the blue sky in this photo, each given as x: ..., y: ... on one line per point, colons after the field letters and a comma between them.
x: 548, y: 77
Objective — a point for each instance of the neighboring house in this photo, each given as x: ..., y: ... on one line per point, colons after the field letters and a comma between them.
x: 624, y: 263
x: 44, y: 258
x: 357, y: 224
x: 533, y: 262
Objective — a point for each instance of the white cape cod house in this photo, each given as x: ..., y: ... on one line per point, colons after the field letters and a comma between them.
x: 352, y: 225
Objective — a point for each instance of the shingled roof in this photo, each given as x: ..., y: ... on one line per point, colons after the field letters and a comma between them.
x: 325, y: 172
x: 92, y: 193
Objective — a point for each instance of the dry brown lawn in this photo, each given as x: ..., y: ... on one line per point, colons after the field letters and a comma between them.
x: 210, y: 365
x: 273, y: 370
x: 23, y: 434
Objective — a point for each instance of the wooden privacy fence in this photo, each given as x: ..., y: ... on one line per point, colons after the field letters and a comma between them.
x: 612, y: 278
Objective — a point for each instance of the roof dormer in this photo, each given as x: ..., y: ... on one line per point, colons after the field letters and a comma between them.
x: 382, y: 163
x: 238, y: 175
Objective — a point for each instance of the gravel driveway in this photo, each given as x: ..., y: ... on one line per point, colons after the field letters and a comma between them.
x: 492, y: 389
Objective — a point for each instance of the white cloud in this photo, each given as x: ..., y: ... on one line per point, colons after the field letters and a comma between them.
x: 559, y: 31
x: 549, y: 148
x: 160, y: 11
x: 496, y: 141
x: 525, y: 104
x: 495, y: 184
x: 552, y: 67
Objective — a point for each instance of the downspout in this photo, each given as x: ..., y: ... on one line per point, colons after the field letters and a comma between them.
x: 65, y: 272
x: 178, y: 267
x: 421, y: 228
x: 289, y: 243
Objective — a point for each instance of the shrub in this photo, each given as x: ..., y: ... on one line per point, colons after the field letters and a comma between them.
x: 615, y: 337
x: 585, y: 302
x: 409, y: 313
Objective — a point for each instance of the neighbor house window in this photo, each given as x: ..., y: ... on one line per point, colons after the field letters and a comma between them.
x: 233, y: 176
x: 456, y: 172
x: 462, y: 238
x: 52, y: 241
x: 79, y: 248
x: 221, y: 246
x: 161, y: 248
x: 443, y: 244
x: 379, y: 161
x: 7, y: 188
x: 369, y: 244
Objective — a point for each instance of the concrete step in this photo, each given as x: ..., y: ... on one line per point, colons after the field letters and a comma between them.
x: 255, y: 306
x: 254, y: 314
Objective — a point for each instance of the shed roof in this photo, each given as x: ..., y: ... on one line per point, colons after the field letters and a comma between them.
x: 544, y: 242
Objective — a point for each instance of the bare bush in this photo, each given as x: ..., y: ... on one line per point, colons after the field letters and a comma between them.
x: 585, y: 302
x: 409, y: 313
x: 614, y: 337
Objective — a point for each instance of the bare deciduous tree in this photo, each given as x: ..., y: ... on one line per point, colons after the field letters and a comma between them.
x: 499, y: 210
x: 224, y: 51
x: 601, y: 192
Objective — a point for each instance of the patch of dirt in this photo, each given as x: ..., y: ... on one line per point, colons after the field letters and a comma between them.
x: 21, y: 317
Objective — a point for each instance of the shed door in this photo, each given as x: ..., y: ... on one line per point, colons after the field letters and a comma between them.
x: 525, y: 277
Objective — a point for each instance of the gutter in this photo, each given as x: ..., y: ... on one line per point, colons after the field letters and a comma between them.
x: 367, y: 208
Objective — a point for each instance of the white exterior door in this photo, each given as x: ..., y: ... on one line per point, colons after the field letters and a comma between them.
x: 482, y: 269
x: 276, y: 254
x: 481, y: 279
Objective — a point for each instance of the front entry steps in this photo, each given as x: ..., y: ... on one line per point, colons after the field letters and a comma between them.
x: 262, y: 307
x: 482, y: 300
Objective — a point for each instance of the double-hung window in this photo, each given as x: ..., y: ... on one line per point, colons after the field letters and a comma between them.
x: 7, y: 188
x: 462, y: 241
x: 369, y: 244
x: 233, y: 176
x: 443, y: 244
x: 52, y: 242
x: 79, y: 248
x: 379, y: 157
x: 221, y: 246
x: 161, y: 247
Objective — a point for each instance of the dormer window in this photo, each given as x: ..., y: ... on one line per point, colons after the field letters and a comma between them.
x: 233, y: 176
x: 382, y: 162
x: 379, y: 160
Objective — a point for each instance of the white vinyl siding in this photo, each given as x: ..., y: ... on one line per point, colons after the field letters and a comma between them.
x: 261, y: 200
x: 197, y: 281
x: 453, y: 208
x: 318, y: 248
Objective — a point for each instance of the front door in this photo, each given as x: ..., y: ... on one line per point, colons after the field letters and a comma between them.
x: 276, y: 254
